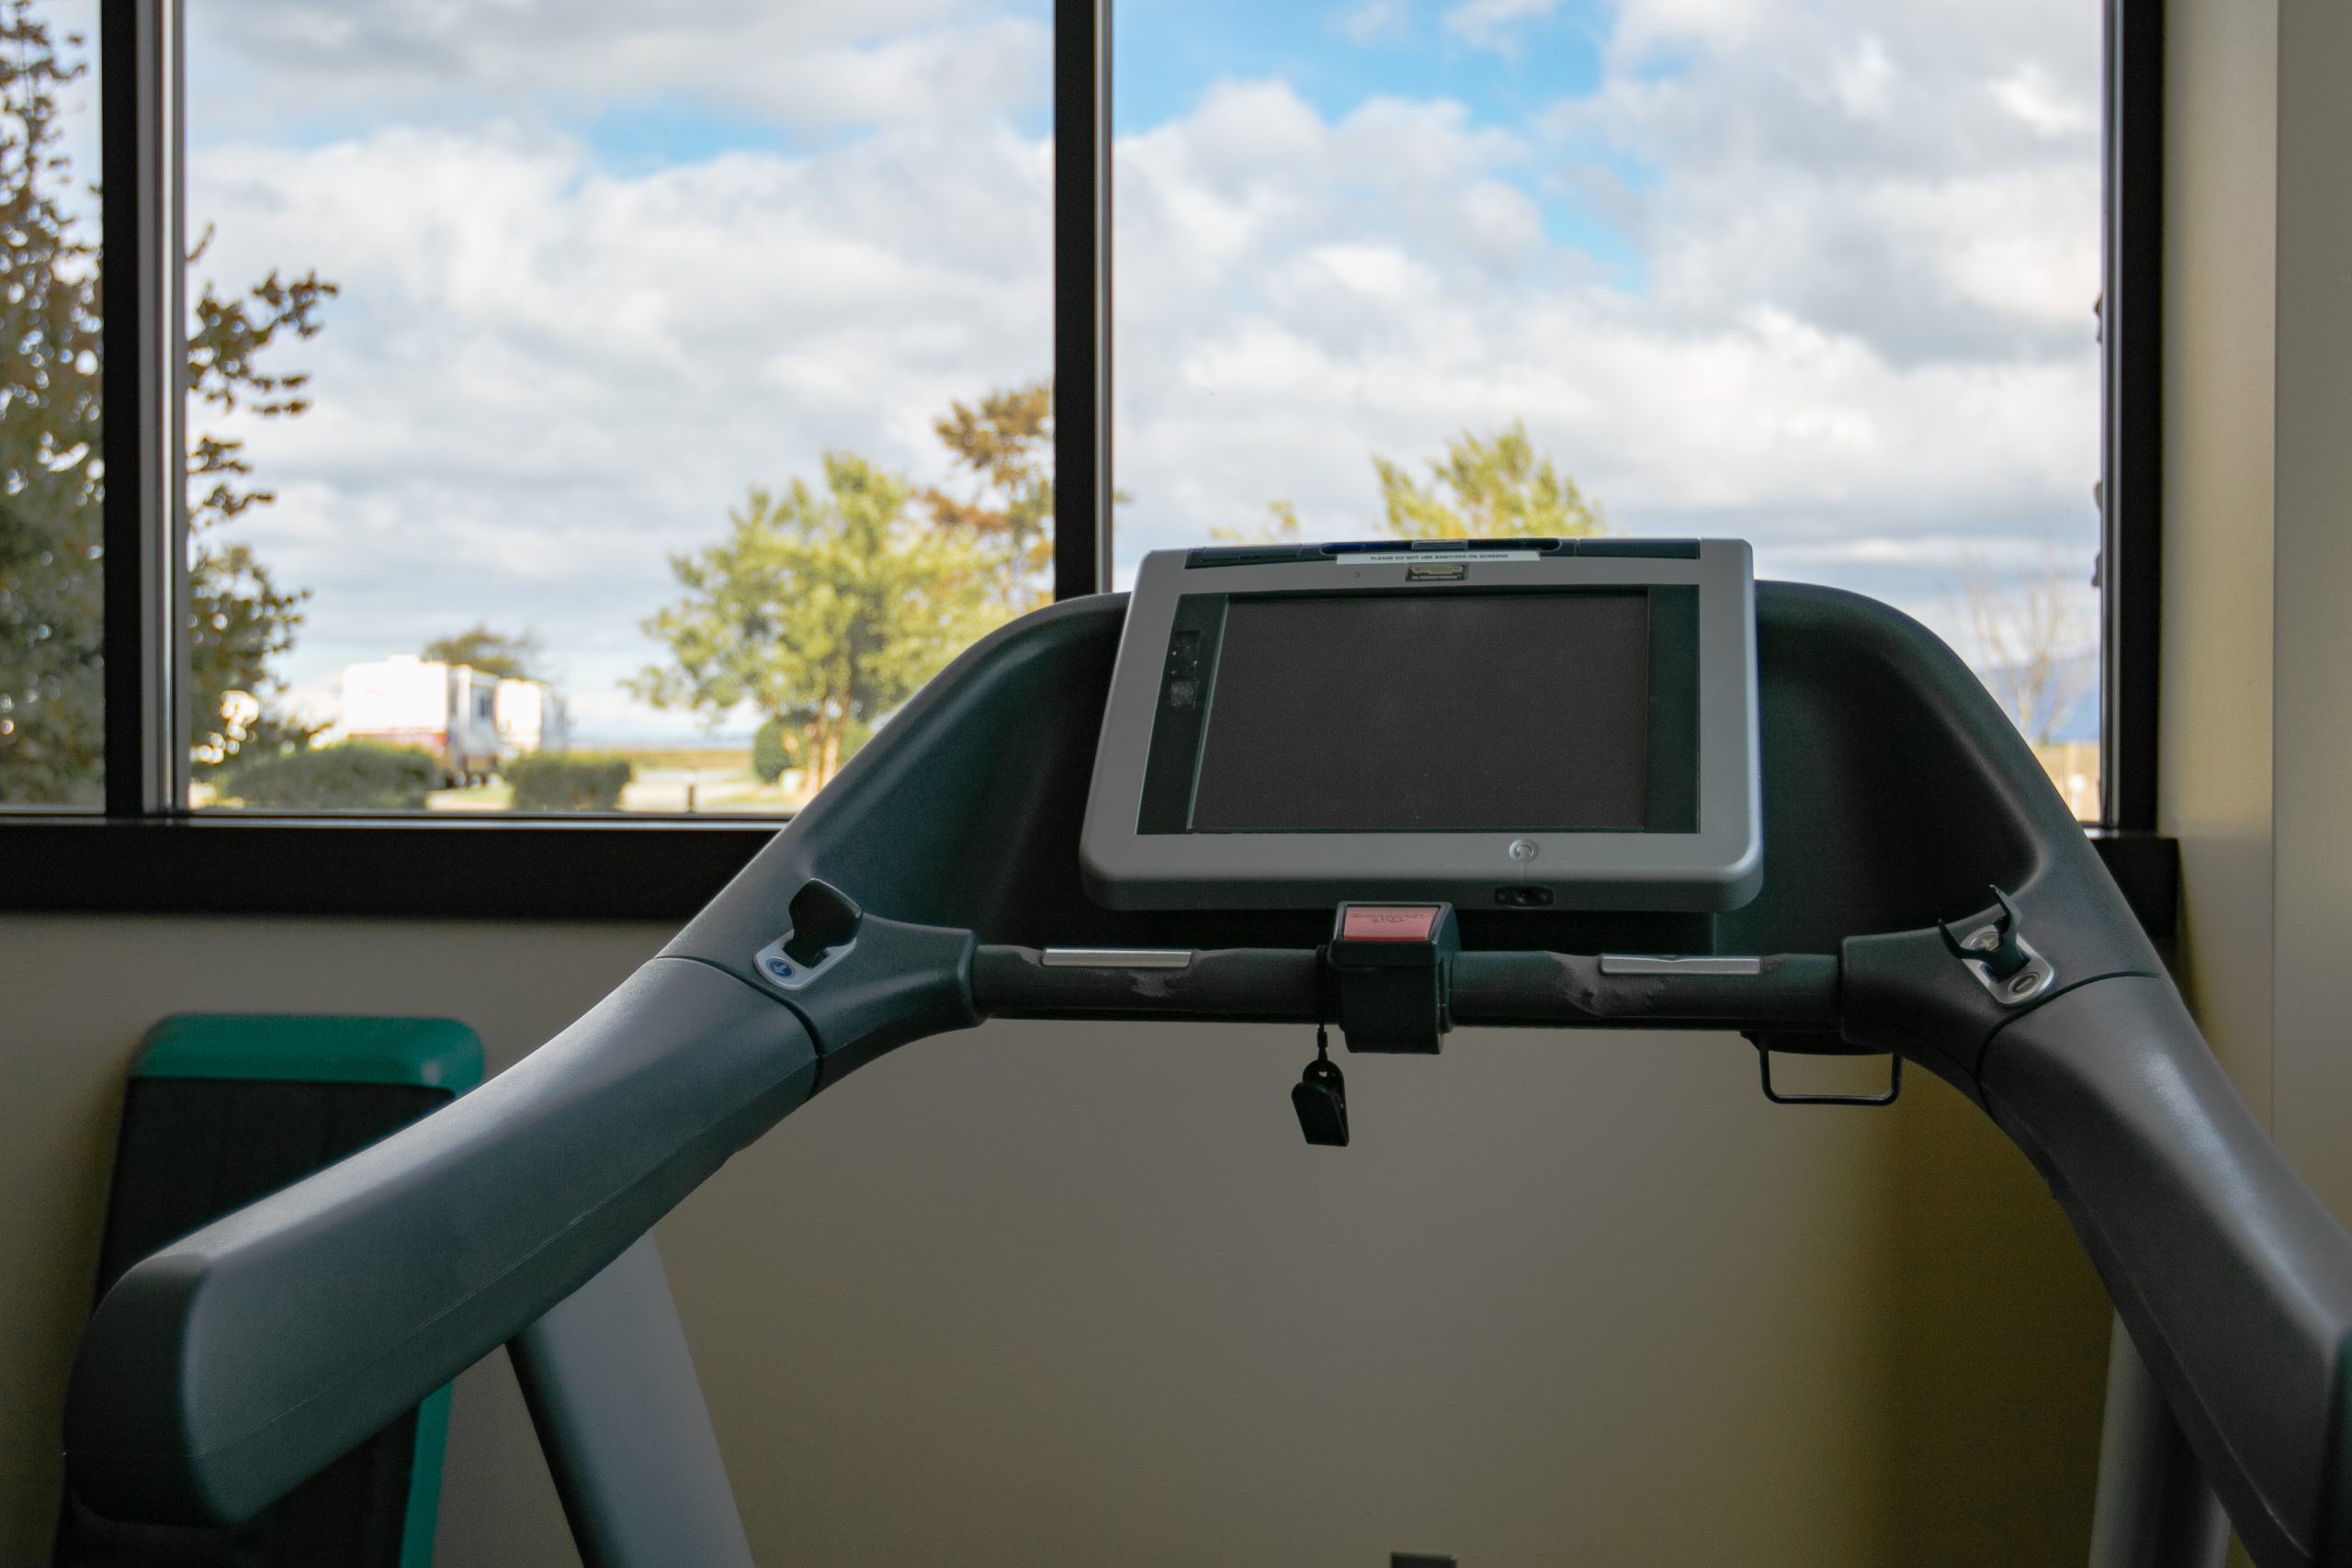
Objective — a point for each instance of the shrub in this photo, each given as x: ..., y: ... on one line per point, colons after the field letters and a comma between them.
x: 568, y: 781
x: 770, y: 754
x: 354, y: 775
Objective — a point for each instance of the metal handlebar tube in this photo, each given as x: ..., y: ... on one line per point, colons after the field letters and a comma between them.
x: 1234, y: 985
x: 1540, y: 990
x: 1546, y: 990
x: 612, y: 1392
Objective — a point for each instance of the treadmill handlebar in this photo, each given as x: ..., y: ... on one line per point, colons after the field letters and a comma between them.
x: 1792, y: 992
x: 231, y: 1364
x: 2233, y: 1277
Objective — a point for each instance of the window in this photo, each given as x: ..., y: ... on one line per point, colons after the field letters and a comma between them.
x: 1406, y: 228
x: 572, y: 394
x: 1820, y: 277
x: 53, y: 698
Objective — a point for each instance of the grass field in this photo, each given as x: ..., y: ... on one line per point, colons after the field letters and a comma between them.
x: 717, y: 779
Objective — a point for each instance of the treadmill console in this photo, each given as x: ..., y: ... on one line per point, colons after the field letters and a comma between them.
x: 1523, y: 723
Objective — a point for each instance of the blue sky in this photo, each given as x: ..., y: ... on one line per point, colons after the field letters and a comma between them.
x: 1167, y: 56
x: 1166, y: 52
x: 1812, y: 272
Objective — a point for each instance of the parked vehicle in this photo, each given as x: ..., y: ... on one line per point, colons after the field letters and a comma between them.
x: 450, y: 710
x: 530, y: 717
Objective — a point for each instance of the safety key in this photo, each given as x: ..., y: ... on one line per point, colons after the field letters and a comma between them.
x: 1320, y: 1098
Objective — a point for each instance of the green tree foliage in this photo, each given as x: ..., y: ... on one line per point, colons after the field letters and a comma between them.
x: 354, y: 775
x: 822, y: 611
x: 515, y: 658
x: 240, y: 620
x: 51, y: 721
x: 1005, y: 446
x: 770, y: 751
x: 1485, y: 487
x: 51, y: 477
x: 568, y: 781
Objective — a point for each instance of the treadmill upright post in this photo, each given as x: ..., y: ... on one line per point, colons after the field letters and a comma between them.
x: 2153, y: 1509
x: 620, y: 1414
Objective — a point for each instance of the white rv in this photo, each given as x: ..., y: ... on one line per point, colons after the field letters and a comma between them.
x: 450, y: 710
x: 530, y: 717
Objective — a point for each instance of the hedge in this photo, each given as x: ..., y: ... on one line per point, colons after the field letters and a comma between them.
x: 353, y: 775
x: 568, y: 781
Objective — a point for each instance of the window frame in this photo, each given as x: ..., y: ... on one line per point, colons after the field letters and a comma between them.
x: 147, y: 854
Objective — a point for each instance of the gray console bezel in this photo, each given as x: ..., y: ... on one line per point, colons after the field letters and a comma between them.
x: 1718, y: 867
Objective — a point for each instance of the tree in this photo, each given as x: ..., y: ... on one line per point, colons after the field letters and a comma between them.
x: 52, y: 588
x: 53, y: 480
x: 771, y: 753
x: 2033, y: 637
x: 515, y: 658
x: 1487, y: 488
x: 1006, y: 445
x: 239, y: 619
x: 822, y: 612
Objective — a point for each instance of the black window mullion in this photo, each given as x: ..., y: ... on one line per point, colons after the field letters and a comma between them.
x: 1081, y: 297
x: 2131, y: 477
x: 145, y: 636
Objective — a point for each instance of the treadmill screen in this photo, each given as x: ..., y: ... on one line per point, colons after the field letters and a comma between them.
x: 1433, y: 713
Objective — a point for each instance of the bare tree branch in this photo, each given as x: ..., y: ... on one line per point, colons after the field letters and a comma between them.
x: 2030, y: 635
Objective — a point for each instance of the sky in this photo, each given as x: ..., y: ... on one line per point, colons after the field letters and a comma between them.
x: 1814, y: 273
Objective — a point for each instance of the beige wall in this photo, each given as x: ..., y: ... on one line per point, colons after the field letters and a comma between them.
x: 1075, y: 1295
x: 2215, y: 768
x: 2312, y: 634
x: 2257, y: 723
x: 2220, y: 252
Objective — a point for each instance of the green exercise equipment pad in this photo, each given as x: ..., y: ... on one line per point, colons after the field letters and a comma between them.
x: 220, y: 1108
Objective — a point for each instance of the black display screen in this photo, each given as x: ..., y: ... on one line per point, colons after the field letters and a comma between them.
x: 1441, y: 712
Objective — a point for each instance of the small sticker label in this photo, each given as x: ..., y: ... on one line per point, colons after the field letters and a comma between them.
x: 1429, y: 558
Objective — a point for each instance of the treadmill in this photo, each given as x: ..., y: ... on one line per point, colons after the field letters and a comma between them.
x: 1392, y: 789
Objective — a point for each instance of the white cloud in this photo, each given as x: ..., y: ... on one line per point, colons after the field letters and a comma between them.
x: 798, y: 62
x: 1857, y: 333
x: 1488, y: 24
x: 1373, y: 21
x: 542, y: 379
x: 1647, y: 27
x: 2039, y: 101
x: 1861, y: 333
x: 1863, y: 80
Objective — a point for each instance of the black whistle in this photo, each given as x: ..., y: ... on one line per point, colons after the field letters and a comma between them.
x: 1320, y: 1098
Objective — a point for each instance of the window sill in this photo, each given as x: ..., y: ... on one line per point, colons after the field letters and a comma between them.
x: 450, y: 867
x: 506, y: 867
